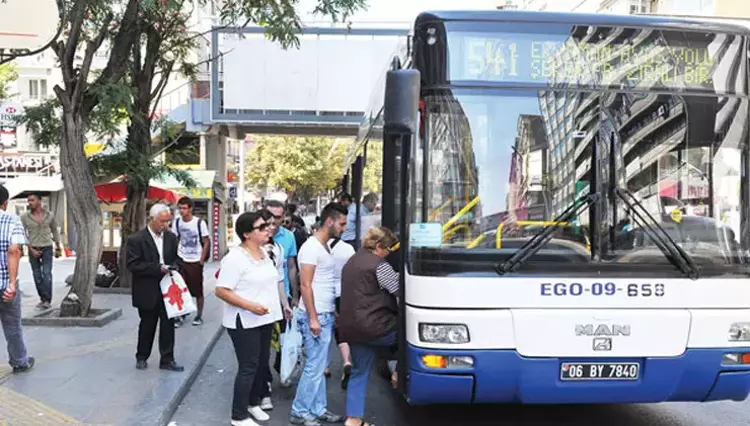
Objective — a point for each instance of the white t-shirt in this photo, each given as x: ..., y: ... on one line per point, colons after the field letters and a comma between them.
x: 253, y: 280
x: 190, y: 248
x: 341, y: 252
x: 323, y: 283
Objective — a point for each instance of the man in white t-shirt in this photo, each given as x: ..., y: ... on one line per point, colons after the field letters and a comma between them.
x: 317, y: 306
x: 193, y: 250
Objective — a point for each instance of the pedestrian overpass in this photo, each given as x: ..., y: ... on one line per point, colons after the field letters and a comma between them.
x: 321, y: 88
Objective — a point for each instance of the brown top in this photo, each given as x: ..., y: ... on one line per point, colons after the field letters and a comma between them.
x: 368, y: 312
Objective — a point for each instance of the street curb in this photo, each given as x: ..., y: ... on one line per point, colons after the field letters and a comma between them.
x: 174, y: 403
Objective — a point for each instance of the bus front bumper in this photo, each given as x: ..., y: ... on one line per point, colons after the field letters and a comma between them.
x: 504, y: 376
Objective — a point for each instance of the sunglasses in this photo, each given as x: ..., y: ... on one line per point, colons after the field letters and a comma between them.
x: 262, y: 227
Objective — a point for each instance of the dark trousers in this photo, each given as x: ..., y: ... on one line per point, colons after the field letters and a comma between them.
x: 252, y: 346
x: 147, y: 331
x: 41, y: 268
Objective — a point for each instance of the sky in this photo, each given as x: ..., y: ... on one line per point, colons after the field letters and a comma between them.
x: 405, y: 10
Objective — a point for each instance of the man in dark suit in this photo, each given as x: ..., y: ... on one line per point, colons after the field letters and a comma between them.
x: 151, y: 253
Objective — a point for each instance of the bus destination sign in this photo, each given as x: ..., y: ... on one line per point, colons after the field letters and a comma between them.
x: 556, y: 60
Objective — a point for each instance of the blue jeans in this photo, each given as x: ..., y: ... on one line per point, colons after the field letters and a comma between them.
x: 10, y: 317
x: 363, y: 355
x: 42, y: 270
x: 311, y: 401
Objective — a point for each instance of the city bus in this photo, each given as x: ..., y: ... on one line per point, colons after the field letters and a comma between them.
x: 597, y: 166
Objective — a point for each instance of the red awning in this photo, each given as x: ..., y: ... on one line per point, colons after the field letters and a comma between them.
x: 115, y: 192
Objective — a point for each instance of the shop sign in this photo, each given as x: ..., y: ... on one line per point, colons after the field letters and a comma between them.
x: 197, y: 193
x: 27, y: 163
x: 10, y: 114
x: 215, y: 240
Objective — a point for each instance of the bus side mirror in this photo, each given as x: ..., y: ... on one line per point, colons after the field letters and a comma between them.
x: 400, y: 121
x: 401, y: 101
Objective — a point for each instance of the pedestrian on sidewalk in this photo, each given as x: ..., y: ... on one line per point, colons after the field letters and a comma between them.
x: 276, y: 251
x: 151, y: 253
x: 316, y: 321
x: 249, y: 285
x: 43, y: 242
x: 369, y: 314
x: 288, y: 242
x: 341, y: 252
x: 12, y: 240
x: 193, y: 251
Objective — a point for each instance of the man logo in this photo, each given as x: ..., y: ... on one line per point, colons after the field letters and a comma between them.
x: 602, y: 343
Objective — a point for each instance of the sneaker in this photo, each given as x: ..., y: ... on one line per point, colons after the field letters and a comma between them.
x: 258, y: 414
x: 329, y: 417
x: 30, y: 361
x: 266, y: 404
x: 247, y: 422
x: 198, y: 320
x: 296, y: 420
x: 178, y: 322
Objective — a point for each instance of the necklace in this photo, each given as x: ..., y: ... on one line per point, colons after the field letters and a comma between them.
x: 250, y: 252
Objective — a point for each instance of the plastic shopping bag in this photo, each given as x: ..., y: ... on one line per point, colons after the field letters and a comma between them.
x: 291, y: 349
x: 177, y: 299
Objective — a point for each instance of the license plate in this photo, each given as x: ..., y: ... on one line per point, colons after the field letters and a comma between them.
x: 599, y: 371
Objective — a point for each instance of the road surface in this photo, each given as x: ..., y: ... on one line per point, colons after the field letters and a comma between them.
x: 209, y: 403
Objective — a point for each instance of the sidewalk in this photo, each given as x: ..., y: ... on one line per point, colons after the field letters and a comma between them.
x: 88, y: 375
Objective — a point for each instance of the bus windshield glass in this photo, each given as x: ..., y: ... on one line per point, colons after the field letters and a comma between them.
x: 599, y: 57
x: 501, y: 165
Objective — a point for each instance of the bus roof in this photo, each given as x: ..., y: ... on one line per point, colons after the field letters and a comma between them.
x: 638, y: 21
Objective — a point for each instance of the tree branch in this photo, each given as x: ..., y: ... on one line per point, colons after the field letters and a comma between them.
x: 158, y: 91
x: 76, y: 27
x: 153, y: 52
x: 119, y: 54
x: 91, y: 48
x: 194, y: 36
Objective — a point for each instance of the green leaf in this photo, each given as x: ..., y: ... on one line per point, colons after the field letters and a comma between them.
x: 8, y: 75
x: 306, y: 166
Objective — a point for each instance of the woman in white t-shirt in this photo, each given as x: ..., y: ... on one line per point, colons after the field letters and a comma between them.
x: 249, y: 286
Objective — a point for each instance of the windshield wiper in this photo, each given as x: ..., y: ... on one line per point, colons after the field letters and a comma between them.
x: 539, y: 240
x: 673, y: 252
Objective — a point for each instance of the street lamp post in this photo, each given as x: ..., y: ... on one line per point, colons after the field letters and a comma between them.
x: 241, y: 179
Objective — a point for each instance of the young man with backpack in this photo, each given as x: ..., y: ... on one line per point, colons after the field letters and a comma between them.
x: 193, y: 251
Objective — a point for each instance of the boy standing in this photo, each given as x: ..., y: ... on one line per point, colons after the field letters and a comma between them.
x: 193, y: 251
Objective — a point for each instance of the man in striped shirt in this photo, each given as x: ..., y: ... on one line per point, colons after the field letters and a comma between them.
x: 12, y: 238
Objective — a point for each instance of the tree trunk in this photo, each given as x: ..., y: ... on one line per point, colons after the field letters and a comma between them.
x: 134, y: 214
x: 133, y: 220
x: 84, y: 208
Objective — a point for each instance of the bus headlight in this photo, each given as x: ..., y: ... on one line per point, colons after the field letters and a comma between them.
x: 739, y: 332
x: 444, y: 333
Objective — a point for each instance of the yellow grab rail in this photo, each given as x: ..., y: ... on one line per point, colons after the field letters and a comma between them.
x: 449, y: 233
x: 460, y: 213
x: 478, y: 240
x: 499, y: 236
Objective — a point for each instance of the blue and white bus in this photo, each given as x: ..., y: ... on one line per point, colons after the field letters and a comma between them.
x: 572, y: 197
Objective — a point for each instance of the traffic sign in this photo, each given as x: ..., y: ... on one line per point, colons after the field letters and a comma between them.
x: 27, y: 25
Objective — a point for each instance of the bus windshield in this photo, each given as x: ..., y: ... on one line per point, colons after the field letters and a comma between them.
x: 501, y: 165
